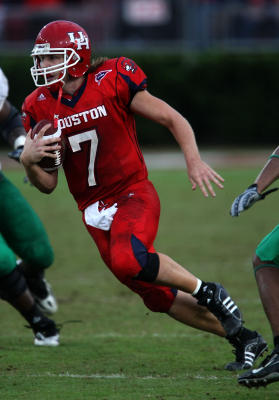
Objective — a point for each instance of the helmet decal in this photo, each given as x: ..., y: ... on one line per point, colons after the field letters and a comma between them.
x: 81, y: 41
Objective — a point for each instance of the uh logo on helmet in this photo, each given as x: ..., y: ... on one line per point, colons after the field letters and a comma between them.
x: 64, y: 38
x: 81, y: 41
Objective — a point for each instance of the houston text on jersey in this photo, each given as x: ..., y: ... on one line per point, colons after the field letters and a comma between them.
x: 84, y: 116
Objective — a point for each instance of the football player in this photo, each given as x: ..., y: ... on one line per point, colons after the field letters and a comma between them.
x: 94, y: 106
x: 266, y: 268
x: 22, y: 234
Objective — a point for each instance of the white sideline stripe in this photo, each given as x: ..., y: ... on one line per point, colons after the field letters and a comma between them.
x: 145, y: 335
x: 122, y: 376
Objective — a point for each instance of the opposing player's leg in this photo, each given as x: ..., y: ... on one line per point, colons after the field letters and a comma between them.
x: 13, y: 289
x: 266, y: 373
x: 39, y: 287
x: 266, y: 266
x: 26, y: 236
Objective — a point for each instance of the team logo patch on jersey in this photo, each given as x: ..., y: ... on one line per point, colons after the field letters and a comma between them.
x: 129, y: 65
x: 100, y: 75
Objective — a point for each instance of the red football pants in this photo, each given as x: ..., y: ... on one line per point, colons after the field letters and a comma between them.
x: 137, y: 214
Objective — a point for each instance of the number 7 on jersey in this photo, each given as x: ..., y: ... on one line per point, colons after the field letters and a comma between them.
x: 75, y: 142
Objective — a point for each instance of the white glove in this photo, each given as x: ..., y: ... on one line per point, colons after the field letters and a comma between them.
x: 246, y: 199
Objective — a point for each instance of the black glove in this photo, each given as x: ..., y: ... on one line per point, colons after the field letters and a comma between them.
x: 246, y: 199
x: 15, y: 154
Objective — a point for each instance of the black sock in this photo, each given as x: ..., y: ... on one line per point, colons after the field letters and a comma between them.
x: 34, y: 315
x: 205, y: 293
x: 201, y: 290
x: 245, y: 334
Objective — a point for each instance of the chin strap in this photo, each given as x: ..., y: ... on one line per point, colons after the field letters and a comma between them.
x: 57, y: 107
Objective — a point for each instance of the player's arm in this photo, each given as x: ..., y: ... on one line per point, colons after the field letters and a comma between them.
x: 255, y: 192
x: 269, y: 173
x: 200, y: 174
x: 11, y: 129
x: 34, y: 150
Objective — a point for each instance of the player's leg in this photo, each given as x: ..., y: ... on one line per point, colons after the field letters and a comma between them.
x: 134, y: 228
x: 172, y: 274
x: 179, y: 305
x: 128, y: 251
x: 13, y: 289
x: 186, y: 309
x: 26, y: 236
x: 209, y: 294
x: 266, y: 266
x: 268, y: 284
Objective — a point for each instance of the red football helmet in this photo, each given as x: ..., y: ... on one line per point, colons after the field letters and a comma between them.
x: 61, y: 38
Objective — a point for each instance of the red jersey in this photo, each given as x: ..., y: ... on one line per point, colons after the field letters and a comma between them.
x: 102, y: 152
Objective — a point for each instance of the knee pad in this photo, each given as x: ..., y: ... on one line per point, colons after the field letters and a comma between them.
x: 12, y: 285
x: 149, y: 262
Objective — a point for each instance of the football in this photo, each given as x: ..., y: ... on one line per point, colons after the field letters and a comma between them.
x: 50, y: 164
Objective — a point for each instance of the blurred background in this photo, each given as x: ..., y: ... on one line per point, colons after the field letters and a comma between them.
x: 216, y: 61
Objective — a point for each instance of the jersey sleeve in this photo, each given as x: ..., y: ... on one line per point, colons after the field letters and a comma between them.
x: 26, y: 118
x: 29, y: 115
x: 130, y: 80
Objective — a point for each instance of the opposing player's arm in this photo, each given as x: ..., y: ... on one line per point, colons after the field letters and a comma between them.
x: 255, y: 192
x: 200, y: 174
x: 11, y: 129
x: 34, y: 150
x: 269, y: 173
x: 11, y: 126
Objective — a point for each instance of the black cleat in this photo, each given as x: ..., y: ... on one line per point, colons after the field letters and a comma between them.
x: 46, y: 333
x: 218, y: 301
x: 246, y: 352
x: 267, y: 372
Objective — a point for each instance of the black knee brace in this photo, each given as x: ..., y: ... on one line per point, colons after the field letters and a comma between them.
x: 12, y: 285
x: 148, y: 261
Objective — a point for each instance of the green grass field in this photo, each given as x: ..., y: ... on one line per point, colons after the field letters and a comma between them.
x: 112, y: 347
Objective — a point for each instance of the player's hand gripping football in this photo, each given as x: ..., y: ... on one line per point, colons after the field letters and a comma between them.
x: 201, y: 175
x: 37, y: 148
x: 246, y: 199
